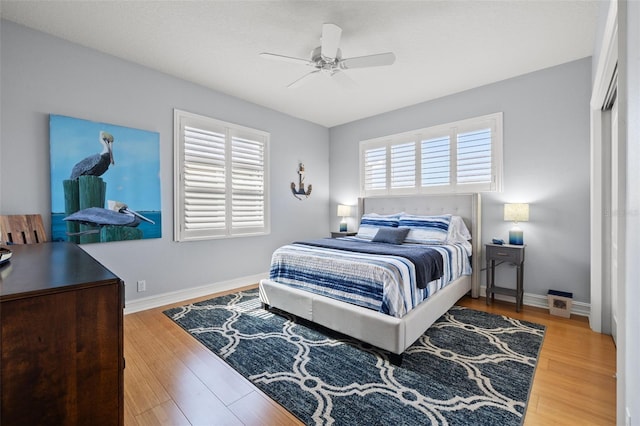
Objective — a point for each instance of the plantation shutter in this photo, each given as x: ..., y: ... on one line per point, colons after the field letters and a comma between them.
x: 247, y: 188
x: 435, y: 161
x: 464, y: 156
x: 403, y: 165
x: 221, y: 187
x: 375, y: 169
x: 204, y: 180
x: 474, y: 157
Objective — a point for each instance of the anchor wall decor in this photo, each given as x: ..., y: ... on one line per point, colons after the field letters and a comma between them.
x: 300, y: 191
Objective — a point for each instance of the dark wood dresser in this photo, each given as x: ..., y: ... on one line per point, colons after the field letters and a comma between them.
x: 61, y: 341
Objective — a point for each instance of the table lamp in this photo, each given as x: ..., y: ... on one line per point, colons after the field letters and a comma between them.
x: 343, y: 211
x: 516, y: 213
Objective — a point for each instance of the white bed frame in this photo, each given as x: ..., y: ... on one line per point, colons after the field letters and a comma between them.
x: 384, y: 331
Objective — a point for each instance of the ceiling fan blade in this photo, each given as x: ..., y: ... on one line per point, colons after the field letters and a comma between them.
x: 368, y: 61
x: 343, y: 79
x: 330, y: 41
x: 286, y: 59
x: 302, y: 80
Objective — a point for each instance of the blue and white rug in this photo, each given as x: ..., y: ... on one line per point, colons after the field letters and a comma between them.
x: 469, y: 368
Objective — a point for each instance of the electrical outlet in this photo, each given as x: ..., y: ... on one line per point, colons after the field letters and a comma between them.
x: 142, y: 285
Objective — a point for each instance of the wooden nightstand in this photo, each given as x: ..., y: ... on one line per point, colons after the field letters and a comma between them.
x: 342, y: 234
x: 505, y: 253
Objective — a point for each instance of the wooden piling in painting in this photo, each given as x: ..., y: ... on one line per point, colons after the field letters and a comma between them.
x: 71, y: 205
x: 92, y: 191
x: 82, y: 193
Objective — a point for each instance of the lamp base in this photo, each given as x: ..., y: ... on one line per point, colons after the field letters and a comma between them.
x: 516, y: 237
x: 343, y: 226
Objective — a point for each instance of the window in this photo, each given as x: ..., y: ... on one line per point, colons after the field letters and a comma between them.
x: 465, y: 156
x: 221, y: 179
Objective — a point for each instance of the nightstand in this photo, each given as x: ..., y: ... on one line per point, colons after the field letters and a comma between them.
x: 510, y: 254
x: 342, y: 234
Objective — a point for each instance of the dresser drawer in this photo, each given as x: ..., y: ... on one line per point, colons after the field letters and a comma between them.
x: 505, y: 253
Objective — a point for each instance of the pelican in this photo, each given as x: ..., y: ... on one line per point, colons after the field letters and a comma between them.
x: 96, y: 164
x: 118, y: 214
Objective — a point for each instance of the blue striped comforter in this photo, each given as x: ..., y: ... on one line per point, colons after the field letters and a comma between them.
x: 385, y: 283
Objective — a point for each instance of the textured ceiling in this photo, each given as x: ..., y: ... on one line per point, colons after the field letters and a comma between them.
x: 442, y: 47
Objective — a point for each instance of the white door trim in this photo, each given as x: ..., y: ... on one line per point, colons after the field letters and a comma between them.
x: 599, y: 181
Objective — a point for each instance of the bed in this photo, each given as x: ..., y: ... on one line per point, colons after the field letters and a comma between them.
x: 392, y: 332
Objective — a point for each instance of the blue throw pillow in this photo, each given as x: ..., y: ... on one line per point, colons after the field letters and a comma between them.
x: 391, y: 235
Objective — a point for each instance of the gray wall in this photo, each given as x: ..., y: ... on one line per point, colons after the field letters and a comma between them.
x: 546, y: 163
x: 43, y: 75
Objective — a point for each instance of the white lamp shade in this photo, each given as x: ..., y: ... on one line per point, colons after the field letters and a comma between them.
x: 344, y: 210
x: 516, y: 212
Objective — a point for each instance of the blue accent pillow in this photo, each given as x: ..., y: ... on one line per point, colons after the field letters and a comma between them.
x: 391, y: 235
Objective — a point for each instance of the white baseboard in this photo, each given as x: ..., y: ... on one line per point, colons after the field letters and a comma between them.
x: 536, y: 300
x: 189, y: 293
x: 541, y: 301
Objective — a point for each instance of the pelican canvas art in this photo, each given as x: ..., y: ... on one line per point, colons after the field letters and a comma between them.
x: 105, y: 181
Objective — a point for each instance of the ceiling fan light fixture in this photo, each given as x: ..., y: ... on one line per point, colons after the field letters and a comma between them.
x: 328, y: 58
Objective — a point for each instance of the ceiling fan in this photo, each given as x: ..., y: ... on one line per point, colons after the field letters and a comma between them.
x: 327, y: 58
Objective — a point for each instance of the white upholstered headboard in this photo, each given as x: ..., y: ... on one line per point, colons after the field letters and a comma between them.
x: 467, y: 206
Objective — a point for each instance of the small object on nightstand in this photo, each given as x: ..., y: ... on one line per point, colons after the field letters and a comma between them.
x: 342, y: 234
x: 513, y: 254
x: 497, y: 241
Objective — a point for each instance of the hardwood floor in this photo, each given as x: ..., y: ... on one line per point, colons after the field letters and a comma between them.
x: 574, y: 383
x: 171, y: 379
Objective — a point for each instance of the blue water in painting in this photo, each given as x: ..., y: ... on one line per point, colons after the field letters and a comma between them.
x: 59, y: 226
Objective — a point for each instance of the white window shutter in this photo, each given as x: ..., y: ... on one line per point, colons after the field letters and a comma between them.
x: 435, y: 161
x: 204, y: 179
x: 474, y: 157
x: 403, y: 165
x: 465, y: 156
x: 375, y: 169
x: 221, y: 186
x: 247, y: 184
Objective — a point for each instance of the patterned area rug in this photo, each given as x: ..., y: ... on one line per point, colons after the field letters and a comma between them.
x: 469, y: 368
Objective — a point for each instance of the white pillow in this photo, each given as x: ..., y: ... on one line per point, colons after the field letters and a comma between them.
x: 458, y: 231
x: 459, y: 234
